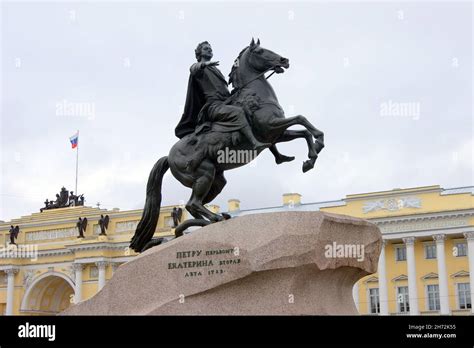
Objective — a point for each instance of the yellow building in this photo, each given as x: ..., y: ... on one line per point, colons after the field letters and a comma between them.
x: 428, y: 255
x: 52, y: 268
x: 428, y: 252
x: 423, y: 269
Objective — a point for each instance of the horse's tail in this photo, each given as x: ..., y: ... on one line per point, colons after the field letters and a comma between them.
x: 147, y: 225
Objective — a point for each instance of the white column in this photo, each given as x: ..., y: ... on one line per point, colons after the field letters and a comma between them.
x: 470, y: 253
x: 442, y: 274
x: 101, y: 265
x: 355, y: 295
x: 78, y: 281
x: 383, y: 282
x: 412, y: 283
x: 10, y: 289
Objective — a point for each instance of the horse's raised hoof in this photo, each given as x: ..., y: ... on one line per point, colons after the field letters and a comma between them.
x: 318, y: 146
x: 282, y: 158
x: 226, y: 216
x: 308, y: 164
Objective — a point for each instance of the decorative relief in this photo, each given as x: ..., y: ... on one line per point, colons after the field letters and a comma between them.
x: 126, y: 226
x: 392, y: 204
x: 28, y: 276
x: 428, y: 224
x: 69, y: 271
x: 11, y: 271
x: 469, y: 235
x: 77, y: 267
x: 51, y: 234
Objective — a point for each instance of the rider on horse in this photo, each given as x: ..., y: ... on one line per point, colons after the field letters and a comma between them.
x: 194, y: 159
x: 206, y: 101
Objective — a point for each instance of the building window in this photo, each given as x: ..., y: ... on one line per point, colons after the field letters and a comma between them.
x: 464, y: 295
x: 374, y: 300
x: 400, y: 253
x: 430, y: 251
x: 460, y: 249
x: 433, y: 297
x: 402, y: 299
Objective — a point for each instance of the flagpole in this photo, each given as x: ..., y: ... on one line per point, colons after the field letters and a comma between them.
x: 77, y: 160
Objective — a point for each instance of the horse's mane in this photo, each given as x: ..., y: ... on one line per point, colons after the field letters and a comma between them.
x: 235, y: 66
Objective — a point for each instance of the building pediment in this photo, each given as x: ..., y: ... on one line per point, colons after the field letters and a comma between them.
x: 371, y: 280
x: 399, y: 278
x: 460, y: 274
x: 430, y: 275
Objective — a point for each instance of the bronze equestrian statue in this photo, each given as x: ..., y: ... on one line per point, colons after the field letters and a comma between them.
x: 249, y: 119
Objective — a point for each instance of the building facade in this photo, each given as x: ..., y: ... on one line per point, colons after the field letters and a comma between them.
x: 51, y: 267
x: 428, y: 254
x: 424, y: 267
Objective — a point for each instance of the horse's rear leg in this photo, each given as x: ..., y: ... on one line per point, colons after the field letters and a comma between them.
x: 216, y: 188
x: 204, y: 178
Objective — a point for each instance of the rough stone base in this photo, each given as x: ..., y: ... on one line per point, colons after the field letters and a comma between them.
x: 262, y: 264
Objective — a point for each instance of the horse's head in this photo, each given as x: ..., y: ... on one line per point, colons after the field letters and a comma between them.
x: 261, y: 59
x: 254, y: 59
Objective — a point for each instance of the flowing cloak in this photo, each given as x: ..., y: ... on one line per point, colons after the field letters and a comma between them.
x: 205, y: 105
x: 194, y: 103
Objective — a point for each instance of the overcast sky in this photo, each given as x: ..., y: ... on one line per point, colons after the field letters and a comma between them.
x: 127, y: 64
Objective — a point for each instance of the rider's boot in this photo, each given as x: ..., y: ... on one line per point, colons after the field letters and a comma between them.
x: 280, y: 158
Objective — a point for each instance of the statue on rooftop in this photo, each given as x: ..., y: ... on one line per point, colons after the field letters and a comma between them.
x: 103, y: 224
x: 14, y: 231
x: 63, y: 199
x: 81, y: 226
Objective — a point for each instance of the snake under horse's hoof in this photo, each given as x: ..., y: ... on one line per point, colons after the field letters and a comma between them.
x: 178, y: 232
x: 152, y: 243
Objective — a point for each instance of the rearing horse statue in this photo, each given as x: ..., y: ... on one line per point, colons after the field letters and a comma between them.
x: 196, y: 159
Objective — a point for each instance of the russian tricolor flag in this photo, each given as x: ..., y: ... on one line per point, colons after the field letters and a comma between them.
x: 74, y: 140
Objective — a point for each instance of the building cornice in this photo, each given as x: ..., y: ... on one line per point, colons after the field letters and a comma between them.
x: 97, y: 246
x: 422, y: 217
x: 394, y: 193
x: 70, y: 250
x: 70, y: 217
